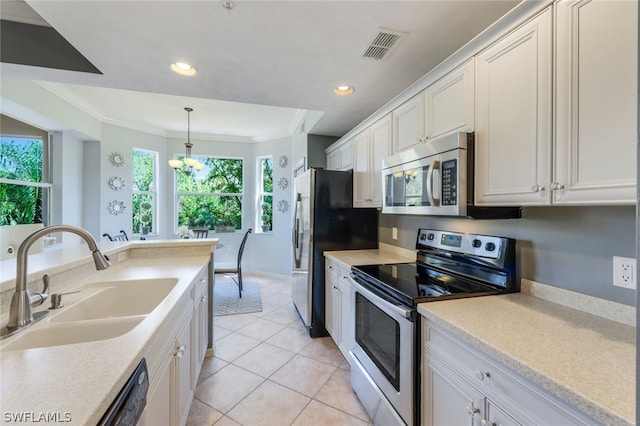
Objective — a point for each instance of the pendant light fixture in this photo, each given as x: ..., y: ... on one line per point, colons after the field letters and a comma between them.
x: 187, y: 165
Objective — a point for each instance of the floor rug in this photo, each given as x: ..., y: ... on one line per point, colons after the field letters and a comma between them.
x: 227, y: 302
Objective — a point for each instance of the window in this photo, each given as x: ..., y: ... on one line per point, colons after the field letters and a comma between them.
x: 144, y: 200
x: 24, y: 181
x: 265, y: 193
x: 211, y: 197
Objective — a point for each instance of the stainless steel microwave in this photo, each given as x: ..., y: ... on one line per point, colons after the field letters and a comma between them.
x: 436, y: 178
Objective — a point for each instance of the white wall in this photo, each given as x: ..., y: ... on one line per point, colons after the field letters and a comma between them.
x: 67, y: 149
x: 123, y: 140
x: 272, y: 252
x: 81, y: 172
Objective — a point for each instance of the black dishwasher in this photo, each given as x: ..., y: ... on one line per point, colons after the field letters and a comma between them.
x: 130, y: 402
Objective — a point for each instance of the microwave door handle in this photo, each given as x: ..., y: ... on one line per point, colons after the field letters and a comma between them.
x: 432, y: 200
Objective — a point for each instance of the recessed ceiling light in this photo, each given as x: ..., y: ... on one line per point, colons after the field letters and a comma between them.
x: 343, y: 90
x: 183, y: 68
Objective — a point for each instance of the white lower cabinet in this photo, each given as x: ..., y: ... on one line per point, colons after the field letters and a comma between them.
x: 461, y: 385
x: 338, y: 306
x: 175, y: 359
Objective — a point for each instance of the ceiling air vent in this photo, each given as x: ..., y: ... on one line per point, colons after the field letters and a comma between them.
x: 381, y: 43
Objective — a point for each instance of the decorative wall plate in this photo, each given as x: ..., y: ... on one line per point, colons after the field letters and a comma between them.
x: 116, y: 207
x: 283, y: 183
x: 283, y: 161
x: 116, y: 159
x: 116, y: 183
x: 283, y: 206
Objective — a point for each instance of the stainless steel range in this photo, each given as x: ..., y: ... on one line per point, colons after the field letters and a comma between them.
x: 386, y: 354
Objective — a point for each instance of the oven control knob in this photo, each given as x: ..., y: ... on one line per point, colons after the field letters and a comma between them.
x: 423, y: 237
x: 430, y: 236
x: 476, y: 243
x: 490, y: 246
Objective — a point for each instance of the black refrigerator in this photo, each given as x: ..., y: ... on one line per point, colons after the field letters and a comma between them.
x: 324, y: 220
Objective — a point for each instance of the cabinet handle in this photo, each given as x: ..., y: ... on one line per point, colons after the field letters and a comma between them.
x: 488, y: 423
x: 555, y: 186
x: 180, y: 351
x: 537, y: 188
x: 203, y: 299
x: 472, y: 410
x: 482, y: 374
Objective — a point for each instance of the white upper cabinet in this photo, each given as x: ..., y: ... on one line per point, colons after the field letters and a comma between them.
x: 408, y: 123
x: 449, y: 102
x: 341, y: 158
x: 370, y: 147
x: 513, y: 117
x: 596, y: 95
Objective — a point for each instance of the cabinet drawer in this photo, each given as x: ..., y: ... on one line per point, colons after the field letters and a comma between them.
x: 331, y: 271
x: 498, y: 382
x: 343, y: 281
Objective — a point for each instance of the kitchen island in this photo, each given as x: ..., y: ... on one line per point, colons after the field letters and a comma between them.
x: 76, y: 383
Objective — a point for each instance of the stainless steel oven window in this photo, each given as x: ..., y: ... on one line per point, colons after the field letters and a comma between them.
x: 378, y: 335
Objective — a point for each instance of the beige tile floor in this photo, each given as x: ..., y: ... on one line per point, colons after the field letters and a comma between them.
x: 268, y: 371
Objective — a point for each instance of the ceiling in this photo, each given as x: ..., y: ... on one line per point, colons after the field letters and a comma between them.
x: 260, y: 65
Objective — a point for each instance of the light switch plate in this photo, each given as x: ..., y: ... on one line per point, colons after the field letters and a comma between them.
x: 394, y: 233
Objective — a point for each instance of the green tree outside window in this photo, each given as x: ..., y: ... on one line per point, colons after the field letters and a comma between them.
x: 23, y: 191
x: 213, y: 196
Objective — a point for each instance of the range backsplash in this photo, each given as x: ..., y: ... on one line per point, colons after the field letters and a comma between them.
x: 567, y: 247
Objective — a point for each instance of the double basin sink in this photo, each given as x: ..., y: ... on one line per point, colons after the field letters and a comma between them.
x: 103, y: 310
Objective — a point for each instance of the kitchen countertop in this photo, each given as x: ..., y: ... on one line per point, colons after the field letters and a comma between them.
x: 385, y: 254
x: 584, y: 359
x: 83, y: 379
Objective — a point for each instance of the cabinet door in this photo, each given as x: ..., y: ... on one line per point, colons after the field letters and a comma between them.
x: 361, y: 178
x: 597, y: 64
x: 380, y: 149
x: 159, y: 407
x: 346, y: 324
x: 333, y: 160
x: 497, y: 416
x: 346, y: 156
x: 446, y: 398
x: 408, y: 123
x: 182, y: 376
x: 330, y: 309
x: 449, y: 102
x: 513, y: 117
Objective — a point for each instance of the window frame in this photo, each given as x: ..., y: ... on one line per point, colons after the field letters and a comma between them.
x: 178, y: 194
x: 45, y: 183
x: 154, y: 194
x: 261, y: 193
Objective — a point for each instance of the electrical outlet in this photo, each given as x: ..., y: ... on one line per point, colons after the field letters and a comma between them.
x: 394, y: 233
x: 624, y: 272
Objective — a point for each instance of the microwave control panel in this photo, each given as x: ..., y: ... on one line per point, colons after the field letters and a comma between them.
x: 450, y: 183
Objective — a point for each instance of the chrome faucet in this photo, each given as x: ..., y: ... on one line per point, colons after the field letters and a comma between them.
x: 20, y: 313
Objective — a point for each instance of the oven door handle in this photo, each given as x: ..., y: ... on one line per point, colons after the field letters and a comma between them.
x: 399, y: 310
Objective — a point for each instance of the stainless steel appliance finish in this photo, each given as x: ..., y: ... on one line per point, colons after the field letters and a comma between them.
x: 436, y: 178
x: 131, y: 400
x: 383, y: 356
x: 386, y: 352
x: 324, y: 219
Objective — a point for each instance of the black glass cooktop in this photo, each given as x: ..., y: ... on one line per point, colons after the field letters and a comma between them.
x: 413, y: 283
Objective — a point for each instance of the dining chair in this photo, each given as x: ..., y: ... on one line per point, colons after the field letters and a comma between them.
x: 236, y: 274
x: 122, y: 236
x: 200, y: 232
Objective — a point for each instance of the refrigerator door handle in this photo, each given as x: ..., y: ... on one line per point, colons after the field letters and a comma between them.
x: 296, y: 231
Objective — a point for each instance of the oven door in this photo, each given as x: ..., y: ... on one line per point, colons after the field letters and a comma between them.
x: 385, y: 338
